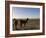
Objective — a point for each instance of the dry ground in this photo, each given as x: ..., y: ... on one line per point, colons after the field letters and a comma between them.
x: 32, y: 24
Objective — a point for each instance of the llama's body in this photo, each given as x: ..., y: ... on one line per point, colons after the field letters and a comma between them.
x: 23, y: 22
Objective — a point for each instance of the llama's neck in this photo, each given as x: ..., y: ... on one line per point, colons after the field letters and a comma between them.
x: 26, y: 20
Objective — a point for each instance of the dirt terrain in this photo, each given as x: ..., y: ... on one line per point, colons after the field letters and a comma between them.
x: 31, y: 24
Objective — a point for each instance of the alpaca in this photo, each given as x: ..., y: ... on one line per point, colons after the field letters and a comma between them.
x: 15, y: 22
x: 23, y: 22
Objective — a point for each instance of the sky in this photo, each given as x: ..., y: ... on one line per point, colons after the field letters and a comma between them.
x: 23, y: 12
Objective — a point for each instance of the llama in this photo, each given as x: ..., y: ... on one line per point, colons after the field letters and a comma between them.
x: 15, y: 22
x: 23, y: 22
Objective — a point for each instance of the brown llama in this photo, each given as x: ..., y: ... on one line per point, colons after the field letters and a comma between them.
x: 23, y: 22
x: 15, y: 22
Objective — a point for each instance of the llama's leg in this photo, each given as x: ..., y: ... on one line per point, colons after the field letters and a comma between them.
x: 21, y: 25
x: 16, y: 24
x: 24, y: 25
